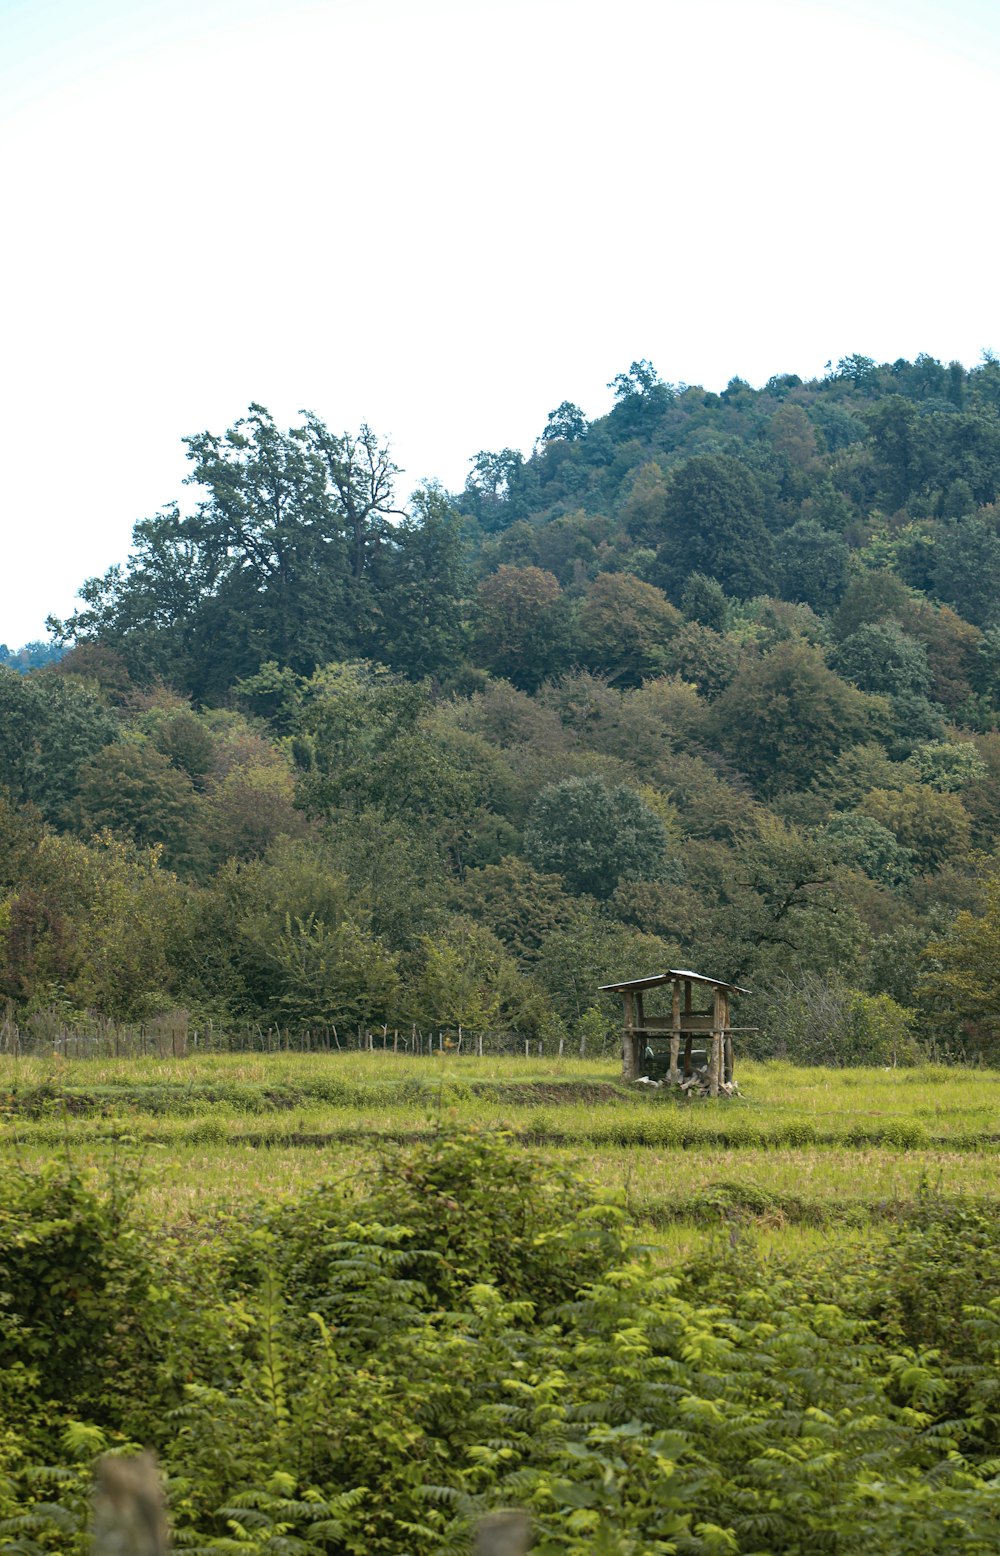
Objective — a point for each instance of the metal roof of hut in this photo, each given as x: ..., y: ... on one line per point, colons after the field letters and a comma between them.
x: 654, y: 980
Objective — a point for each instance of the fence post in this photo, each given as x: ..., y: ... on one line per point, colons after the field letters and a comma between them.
x: 9, y: 1032
x: 130, y: 1512
x: 503, y: 1534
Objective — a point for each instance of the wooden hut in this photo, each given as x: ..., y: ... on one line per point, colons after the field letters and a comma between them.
x: 688, y: 1047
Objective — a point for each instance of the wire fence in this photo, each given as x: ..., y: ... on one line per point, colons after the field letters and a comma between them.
x: 174, y: 1035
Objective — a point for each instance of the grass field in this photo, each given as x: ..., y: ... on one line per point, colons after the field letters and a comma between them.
x: 802, y: 1157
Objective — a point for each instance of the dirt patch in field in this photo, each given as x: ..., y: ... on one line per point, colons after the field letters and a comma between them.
x: 544, y: 1093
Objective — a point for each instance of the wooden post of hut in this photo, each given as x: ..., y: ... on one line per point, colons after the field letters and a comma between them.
x: 675, y: 1033
x: 686, y: 1028
x: 715, y: 1057
x: 630, y: 1068
x: 651, y: 1043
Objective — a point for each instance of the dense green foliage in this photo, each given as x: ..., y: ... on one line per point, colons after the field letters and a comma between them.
x: 711, y: 680
x: 367, y: 1372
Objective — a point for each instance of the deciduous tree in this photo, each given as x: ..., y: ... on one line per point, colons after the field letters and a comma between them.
x: 594, y: 836
x: 960, y: 984
x: 52, y: 727
x: 933, y: 826
x: 786, y: 717
x: 424, y: 612
x: 332, y: 974
x: 133, y: 791
x: 522, y: 625
x: 272, y: 564
x: 624, y: 627
x: 713, y: 521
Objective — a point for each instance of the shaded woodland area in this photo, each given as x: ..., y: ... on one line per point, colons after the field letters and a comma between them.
x: 713, y: 679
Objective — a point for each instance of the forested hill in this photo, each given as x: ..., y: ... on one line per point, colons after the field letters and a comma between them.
x: 300, y: 553
x: 714, y: 677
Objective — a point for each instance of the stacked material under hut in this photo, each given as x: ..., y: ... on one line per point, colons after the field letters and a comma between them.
x: 689, y: 1048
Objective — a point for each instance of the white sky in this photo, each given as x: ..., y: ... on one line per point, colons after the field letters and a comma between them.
x: 446, y: 216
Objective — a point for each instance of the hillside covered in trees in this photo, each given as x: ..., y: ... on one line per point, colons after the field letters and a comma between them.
x: 713, y: 680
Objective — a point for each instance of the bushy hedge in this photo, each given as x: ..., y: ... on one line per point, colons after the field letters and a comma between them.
x: 814, y: 1019
x: 368, y: 1369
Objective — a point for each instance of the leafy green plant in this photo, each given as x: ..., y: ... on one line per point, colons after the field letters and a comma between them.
x: 368, y: 1371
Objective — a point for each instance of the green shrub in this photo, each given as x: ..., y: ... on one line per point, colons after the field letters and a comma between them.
x: 820, y: 1020
x: 367, y: 1372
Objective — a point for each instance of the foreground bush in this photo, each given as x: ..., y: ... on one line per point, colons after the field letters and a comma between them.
x: 367, y: 1370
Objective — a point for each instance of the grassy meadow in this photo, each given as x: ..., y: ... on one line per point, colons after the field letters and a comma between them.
x: 802, y: 1157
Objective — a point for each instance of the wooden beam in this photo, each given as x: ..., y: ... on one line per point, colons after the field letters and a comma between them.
x: 628, y: 1038
x: 715, y: 1057
x: 675, y: 1038
x: 687, y: 1043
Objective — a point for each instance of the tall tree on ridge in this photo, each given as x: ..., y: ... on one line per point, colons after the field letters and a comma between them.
x: 273, y: 563
x: 713, y: 519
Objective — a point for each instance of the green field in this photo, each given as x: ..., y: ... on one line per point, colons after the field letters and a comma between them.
x: 801, y: 1156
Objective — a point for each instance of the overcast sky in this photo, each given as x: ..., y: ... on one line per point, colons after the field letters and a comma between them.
x: 444, y: 217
